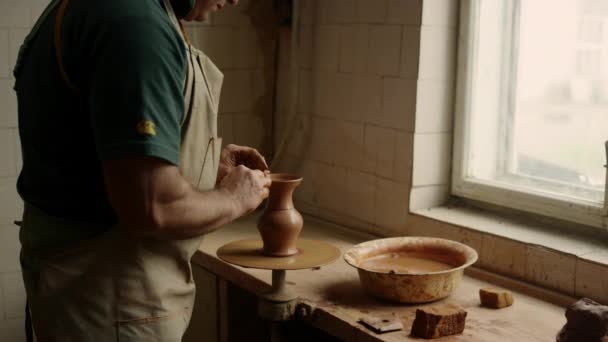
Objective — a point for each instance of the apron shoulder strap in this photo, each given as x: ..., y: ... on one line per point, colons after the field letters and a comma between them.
x: 176, y: 23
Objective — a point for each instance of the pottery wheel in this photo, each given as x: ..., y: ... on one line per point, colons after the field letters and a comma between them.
x: 248, y: 253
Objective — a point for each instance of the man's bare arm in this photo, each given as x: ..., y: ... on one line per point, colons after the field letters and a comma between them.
x: 153, y: 199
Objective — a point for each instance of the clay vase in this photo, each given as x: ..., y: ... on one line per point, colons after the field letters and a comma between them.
x: 280, y: 223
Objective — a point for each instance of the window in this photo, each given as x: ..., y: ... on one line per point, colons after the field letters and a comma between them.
x: 532, y: 107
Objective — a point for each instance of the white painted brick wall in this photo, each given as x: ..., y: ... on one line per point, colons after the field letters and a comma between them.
x: 375, y: 66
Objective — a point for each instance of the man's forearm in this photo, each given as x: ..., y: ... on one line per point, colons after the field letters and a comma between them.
x: 153, y: 199
x: 193, y: 214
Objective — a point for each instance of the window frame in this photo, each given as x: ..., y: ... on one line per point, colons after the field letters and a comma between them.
x: 492, y: 192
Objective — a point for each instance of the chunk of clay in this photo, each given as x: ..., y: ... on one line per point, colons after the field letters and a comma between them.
x: 495, y: 298
x: 587, y: 322
x: 439, y: 320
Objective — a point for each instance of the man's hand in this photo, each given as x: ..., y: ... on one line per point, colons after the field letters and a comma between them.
x: 234, y: 155
x: 247, y: 188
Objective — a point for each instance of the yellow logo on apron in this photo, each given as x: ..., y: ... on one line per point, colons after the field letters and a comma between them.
x: 146, y: 127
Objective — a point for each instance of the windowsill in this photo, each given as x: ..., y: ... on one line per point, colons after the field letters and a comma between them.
x: 529, y: 233
x: 537, y: 253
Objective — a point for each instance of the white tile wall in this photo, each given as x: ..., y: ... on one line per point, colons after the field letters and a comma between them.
x: 336, y: 12
x: 12, y: 330
x: 247, y: 130
x: 359, y: 195
x: 225, y: 128
x: 380, y: 150
x: 11, y: 205
x: 9, y: 253
x: 309, y: 11
x: 323, y: 145
x: 391, y: 208
x: 440, y: 13
x: 4, y: 54
x: 304, y: 54
x: 8, y: 104
x: 15, y: 14
x: 403, y: 157
x: 406, y: 12
x: 385, y: 49
x: 350, y: 145
x: 330, y: 184
x: 432, y: 159
x: 360, y: 88
x: 219, y: 43
x: 372, y: 11
x: 236, y: 92
x: 437, y: 53
x: 367, y: 98
x: 354, y: 48
x: 328, y: 99
x: 7, y: 151
x: 14, y: 295
x: 435, y: 106
x: 298, y: 143
x: 398, y: 104
x: 249, y: 52
x: 326, y: 43
x: 306, y: 192
x: 410, y: 52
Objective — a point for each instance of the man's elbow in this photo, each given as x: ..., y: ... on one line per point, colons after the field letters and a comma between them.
x: 142, y: 224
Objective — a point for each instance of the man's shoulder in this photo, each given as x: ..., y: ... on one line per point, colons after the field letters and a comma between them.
x: 88, y: 19
x: 98, y: 24
x: 118, y: 10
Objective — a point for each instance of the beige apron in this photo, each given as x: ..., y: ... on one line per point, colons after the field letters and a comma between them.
x: 113, y: 287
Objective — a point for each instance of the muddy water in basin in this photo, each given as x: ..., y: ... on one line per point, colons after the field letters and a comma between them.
x: 403, y: 263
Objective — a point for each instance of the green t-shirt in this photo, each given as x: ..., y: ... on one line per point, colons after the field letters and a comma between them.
x: 129, y: 62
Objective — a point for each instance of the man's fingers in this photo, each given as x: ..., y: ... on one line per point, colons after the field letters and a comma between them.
x: 249, y: 157
x: 261, y: 160
x: 267, y: 181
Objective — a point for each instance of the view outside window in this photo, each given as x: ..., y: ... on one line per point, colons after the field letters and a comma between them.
x: 539, y: 106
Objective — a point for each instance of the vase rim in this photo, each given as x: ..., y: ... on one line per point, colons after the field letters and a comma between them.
x: 285, y: 178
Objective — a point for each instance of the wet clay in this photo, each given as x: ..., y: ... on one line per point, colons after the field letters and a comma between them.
x: 403, y: 263
x: 587, y: 321
x: 280, y: 223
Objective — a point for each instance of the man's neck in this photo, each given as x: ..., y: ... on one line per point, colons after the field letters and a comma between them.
x: 182, y: 7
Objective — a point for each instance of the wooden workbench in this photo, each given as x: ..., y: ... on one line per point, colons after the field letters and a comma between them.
x: 331, y: 299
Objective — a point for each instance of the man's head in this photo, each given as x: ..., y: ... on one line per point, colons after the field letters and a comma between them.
x: 202, y: 8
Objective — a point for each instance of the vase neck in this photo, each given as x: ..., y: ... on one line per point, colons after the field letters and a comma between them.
x: 281, y: 195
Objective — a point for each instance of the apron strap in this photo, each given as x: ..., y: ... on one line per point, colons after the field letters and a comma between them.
x: 176, y: 23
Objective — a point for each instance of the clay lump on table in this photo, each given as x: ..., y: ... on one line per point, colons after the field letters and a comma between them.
x: 439, y: 320
x: 587, y: 322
